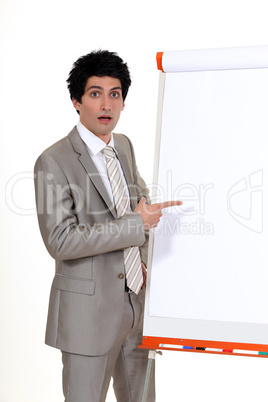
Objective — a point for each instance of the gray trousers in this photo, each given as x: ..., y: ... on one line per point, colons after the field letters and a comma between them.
x: 87, y: 378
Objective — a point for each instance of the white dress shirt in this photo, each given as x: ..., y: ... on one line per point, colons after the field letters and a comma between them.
x: 95, y: 146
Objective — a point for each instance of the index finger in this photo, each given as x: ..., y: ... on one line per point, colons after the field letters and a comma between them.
x: 167, y: 204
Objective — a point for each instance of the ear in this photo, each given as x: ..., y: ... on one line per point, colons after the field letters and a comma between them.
x: 123, y: 106
x: 76, y: 104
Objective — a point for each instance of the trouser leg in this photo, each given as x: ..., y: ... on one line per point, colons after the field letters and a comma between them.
x: 84, y: 377
x: 131, y: 365
x: 87, y: 378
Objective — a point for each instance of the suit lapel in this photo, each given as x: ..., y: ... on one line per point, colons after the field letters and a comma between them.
x: 94, y: 175
x: 90, y: 168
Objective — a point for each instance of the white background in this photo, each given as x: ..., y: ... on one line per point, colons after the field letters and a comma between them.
x: 39, y: 41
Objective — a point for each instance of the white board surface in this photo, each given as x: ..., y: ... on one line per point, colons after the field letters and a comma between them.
x: 209, y: 262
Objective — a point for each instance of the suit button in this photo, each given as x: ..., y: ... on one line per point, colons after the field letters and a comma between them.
x: 121, y: 276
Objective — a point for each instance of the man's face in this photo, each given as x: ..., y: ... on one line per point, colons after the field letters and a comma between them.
x: 101, y: 106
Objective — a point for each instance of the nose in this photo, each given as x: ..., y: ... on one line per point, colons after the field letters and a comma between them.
x: 106, y: 105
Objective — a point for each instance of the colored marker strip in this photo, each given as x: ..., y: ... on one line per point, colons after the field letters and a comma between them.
x: 164, y: 345
x: 238, y: 351
x: 213, y: 350
x: 246, y: 352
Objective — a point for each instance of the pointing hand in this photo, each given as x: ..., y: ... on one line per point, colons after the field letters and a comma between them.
x: 151, y: 213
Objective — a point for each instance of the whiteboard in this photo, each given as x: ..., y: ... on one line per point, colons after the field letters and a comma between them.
x: 208, y: 268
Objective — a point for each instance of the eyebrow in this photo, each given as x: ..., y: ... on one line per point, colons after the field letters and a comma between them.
x: 101, y: 88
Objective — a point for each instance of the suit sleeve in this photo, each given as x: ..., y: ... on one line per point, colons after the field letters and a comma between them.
x: 64, y: 236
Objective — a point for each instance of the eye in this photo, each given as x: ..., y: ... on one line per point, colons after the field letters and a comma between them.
x: 94, y: 94
x: 115, y: 94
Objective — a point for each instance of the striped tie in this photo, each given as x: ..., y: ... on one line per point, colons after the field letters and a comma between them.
x: 132, y: 259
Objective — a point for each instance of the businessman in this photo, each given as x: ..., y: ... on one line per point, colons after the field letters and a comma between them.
x: 94, y: 214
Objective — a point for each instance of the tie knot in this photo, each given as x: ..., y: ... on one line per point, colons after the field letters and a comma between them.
x: 108, y: 152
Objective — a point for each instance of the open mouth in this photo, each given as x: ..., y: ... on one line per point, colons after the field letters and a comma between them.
x: 105, y: 119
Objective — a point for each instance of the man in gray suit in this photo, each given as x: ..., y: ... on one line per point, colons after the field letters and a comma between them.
x: 95, y: 313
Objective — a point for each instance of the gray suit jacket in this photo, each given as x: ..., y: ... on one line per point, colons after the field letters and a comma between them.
x: 82, y: 233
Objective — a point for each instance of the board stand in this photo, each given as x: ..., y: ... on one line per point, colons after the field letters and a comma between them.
x: 151, y: 359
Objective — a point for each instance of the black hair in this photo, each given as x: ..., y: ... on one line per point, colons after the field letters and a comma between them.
x: 98, y: 63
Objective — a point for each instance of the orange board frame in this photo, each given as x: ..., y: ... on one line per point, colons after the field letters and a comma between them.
x: 199, y: 346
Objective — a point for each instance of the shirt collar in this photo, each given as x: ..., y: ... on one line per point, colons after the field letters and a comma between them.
x: 94, y: 143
